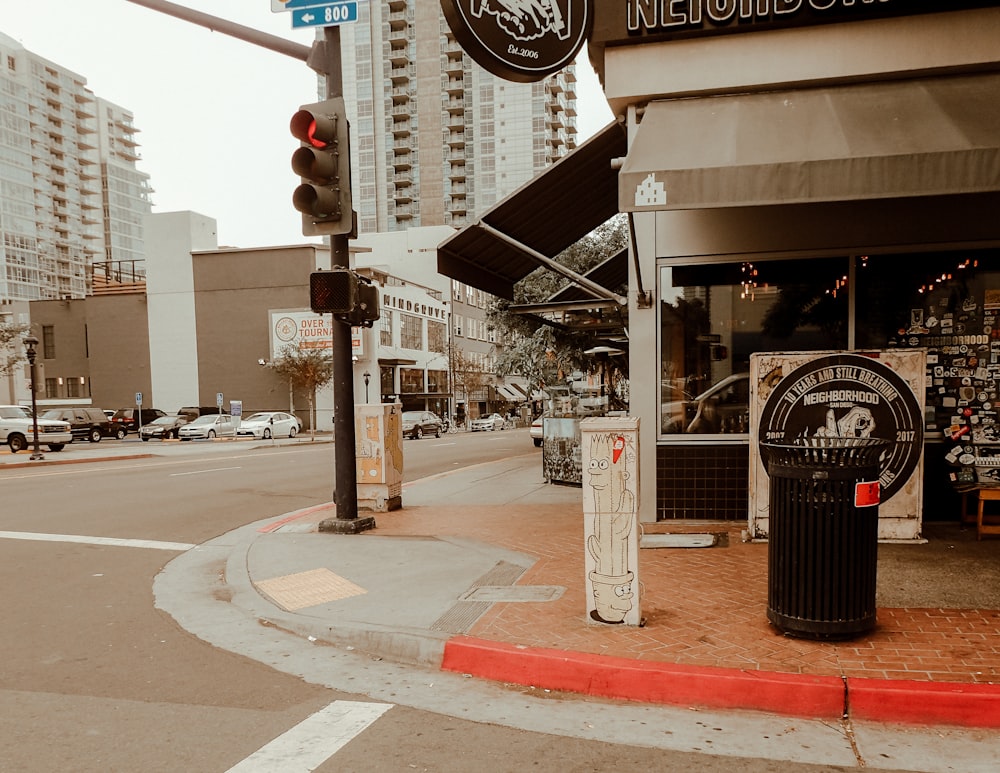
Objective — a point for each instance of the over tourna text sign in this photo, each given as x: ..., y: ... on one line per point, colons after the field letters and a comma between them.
x: 520, y: 40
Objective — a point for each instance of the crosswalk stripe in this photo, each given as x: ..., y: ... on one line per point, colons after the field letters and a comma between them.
x: 314, y: 740
x: 112, y: 541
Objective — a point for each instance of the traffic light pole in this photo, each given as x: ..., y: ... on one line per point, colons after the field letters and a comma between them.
x: 345, y: 491
x: 323, y: 58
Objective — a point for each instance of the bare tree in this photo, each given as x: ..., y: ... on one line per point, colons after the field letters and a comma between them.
x: 306, y: 369
x: 468, y: 375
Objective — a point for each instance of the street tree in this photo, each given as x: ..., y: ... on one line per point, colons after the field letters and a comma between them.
x: 307, y: 370
x: 11, y: 355
x: 545, y: 354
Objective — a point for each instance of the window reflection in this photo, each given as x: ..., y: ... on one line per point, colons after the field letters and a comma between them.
x: 714, y: 316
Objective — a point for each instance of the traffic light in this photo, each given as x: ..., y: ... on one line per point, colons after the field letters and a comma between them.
x: 333, y: 291
x: 324, y: 163
x: 351, y: 299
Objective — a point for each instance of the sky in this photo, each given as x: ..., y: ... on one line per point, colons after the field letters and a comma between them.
x: 212, y: 111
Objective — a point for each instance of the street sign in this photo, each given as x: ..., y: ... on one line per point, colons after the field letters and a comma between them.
x: 218, y: 399
x: 138, y: 398
x: 326, y: 15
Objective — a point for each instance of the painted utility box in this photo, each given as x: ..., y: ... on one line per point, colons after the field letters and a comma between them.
x: 610, y: 461
x: 378, y: 432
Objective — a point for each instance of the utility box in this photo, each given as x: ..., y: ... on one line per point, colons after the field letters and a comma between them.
x: 610, y: 482
x: 378, y: 433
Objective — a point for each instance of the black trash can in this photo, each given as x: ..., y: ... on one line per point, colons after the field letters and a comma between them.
x: 822, y: 551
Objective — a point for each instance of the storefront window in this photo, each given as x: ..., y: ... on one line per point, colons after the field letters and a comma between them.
x: 948, y: 303
x: 713, y: 316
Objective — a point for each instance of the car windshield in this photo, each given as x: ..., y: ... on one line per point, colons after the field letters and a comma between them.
x: 14, y: 412
x: 210, y: 419
x: 411, y: 416
x: 52, y: 415
x: 257, y: 417
x: 163, y: 420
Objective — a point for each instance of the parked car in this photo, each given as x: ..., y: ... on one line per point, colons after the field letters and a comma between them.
x: 723, y: 407
x: 109, y: 413
x: 537, y: 425
x: 270, y: 424
x: 416, y: 424
x: 487, y: 423
x: 163, y: 427
x: 219, y: 425
x: 17, y: 430
x: 126, y: 420
x: 86, y: 423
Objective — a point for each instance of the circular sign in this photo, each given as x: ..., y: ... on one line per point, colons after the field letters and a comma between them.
x: 849, y: 396
x: 520, y: 40
x: 286, y: 329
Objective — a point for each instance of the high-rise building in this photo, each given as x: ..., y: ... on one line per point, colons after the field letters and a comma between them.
x: 71, y: 197
x: 437, y: 140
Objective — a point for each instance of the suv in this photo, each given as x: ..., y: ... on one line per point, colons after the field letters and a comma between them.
x: 127, y: 420
x: 86, y: 423
x: 17, y: 430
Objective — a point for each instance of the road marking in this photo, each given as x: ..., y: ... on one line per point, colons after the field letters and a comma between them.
x: 314, y: 740
x: 112, y: 541
x: 202, y: 472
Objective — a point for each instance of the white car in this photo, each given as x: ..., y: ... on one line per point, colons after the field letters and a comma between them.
x: 17, y: 429
x: 487, y: 423
x: 210, y: 426
x: 270, y: 424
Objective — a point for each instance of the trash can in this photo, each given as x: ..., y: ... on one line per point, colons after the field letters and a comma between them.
x: 822, y: 550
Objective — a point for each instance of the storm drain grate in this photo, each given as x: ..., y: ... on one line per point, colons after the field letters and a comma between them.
x: 463, y: 615
x: 515, y: 593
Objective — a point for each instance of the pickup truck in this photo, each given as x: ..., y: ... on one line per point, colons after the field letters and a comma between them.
x: 17, y: 430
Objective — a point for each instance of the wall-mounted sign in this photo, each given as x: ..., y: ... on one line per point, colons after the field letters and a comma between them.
x: 849, y: 396
x: 520, y: 40
x: 641, y: 21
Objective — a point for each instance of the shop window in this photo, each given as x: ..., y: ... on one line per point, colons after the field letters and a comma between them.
x: 948, y: 303
x: 385, y: 328
x: 437, y: 340
x: 713, y: 316
x: 411, y: 331
x: 437, y: 381
x: 411, y: 380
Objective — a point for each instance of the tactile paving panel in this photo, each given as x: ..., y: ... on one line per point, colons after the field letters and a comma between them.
x: 307, y: 589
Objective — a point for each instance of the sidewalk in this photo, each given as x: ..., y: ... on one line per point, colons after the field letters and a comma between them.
x: 482, y: 572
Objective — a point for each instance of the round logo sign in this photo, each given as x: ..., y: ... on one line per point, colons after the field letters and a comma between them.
x: 849, y: 396
x: 286, y: 329
x: 520, y: 40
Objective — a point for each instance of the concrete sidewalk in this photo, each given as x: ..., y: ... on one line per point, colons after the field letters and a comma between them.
x: 482, y: 573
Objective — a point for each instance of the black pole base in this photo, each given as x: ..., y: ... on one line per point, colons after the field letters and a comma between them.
x: 346, y: 525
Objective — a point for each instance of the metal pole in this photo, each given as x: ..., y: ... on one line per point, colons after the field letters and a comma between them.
x: 345, y: 493
x: 31, y: 350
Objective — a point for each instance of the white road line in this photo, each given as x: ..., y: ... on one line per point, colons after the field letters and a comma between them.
x: 314, y: 740
x: 202, y: 472
x: 112, y: 541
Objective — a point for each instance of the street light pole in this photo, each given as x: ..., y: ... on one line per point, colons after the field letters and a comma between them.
x: 31, y: 350
x: 367, y: 377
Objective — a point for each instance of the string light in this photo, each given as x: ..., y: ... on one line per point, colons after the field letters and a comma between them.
x: 749, y: 282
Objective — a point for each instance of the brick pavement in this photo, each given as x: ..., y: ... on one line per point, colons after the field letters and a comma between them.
x: 703, y: 607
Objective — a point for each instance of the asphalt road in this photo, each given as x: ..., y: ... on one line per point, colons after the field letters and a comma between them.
x: 95, y: 678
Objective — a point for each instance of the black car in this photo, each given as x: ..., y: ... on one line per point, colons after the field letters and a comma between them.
x: 416, y: 424
x: 86, y: 423
x: 126, y: 420
x: 164, y: 427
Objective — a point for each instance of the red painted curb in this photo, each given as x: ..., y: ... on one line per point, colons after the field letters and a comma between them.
x: 637, y: 680
x: 929, y: 703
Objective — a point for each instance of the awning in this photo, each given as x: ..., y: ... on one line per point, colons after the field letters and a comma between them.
x: 509, y: 394
x: 934, y: 136
x: 545, y: 215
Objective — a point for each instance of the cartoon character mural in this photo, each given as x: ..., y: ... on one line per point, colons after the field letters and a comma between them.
x: 610, y: 531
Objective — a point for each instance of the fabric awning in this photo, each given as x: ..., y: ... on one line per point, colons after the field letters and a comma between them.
x: 932, y: 136
x: 509, y: 393
x: 546, y: 215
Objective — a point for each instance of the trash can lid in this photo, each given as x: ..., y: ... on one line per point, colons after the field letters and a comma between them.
x: 826, y: 451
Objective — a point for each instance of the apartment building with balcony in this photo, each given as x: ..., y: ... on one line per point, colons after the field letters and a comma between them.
x: 72, y: 200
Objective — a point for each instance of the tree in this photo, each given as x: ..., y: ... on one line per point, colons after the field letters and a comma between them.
x: 306, y: 369
x: 468, y: 375
x: 11, y: 334
x: 544, y: 354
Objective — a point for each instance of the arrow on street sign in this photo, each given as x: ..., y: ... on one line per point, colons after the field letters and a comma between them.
x: 326, y: 15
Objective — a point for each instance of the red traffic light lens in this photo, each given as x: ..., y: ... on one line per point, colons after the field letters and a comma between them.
x: 315, y: 130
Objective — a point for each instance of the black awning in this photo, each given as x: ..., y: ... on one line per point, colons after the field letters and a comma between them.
x: 922, y: 137
x: 547, y: 214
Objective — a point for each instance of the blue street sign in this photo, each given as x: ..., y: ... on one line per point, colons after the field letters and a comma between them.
x: 326, y: 15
